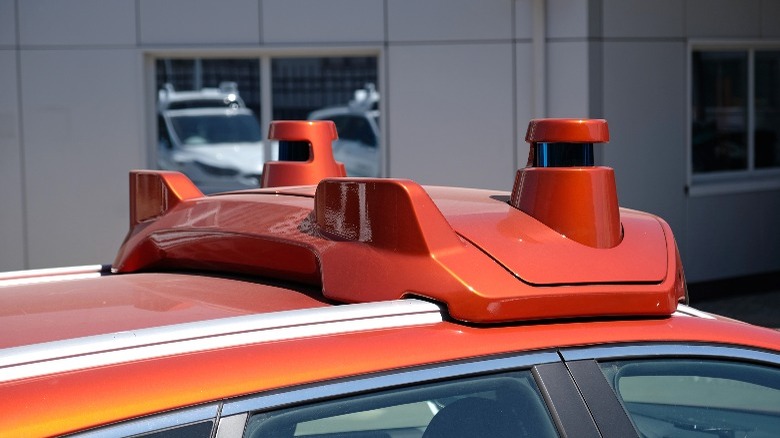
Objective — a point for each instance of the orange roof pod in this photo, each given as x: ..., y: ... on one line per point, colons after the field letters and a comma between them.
x: 562, y: 188
x: 367, y: 240
x: 320, y: 162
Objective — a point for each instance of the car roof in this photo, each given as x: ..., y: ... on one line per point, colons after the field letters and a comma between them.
x: 293, y: 279
x: 116, y: 303
x: 146, y: 386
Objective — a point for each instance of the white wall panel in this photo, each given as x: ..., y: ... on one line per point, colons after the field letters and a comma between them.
x: 11, y: 213
x: 524, y: 101
x: 723, y: 18
x: 204, y: 22
x: 448, y: 20
x: 524, y: 22
x: 82, y: 134
x: 770, y: 18
x: 644, y: 102
x: 567, y: 18
x: 7, y: 23
x: 77, y: 22
x: 723, y: 236
x: 305, y: 21
x: 568, y: 79
x: 643, y: 18
x: 450, y: 118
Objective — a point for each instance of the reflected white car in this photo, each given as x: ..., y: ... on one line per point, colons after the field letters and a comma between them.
x: 358, y: 143
x: 220, y: 149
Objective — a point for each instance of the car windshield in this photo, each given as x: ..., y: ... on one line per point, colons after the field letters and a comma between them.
x: 202, y: 103
x: 195, y: 130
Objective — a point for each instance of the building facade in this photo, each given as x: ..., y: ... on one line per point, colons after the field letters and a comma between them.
x: 691, y: 89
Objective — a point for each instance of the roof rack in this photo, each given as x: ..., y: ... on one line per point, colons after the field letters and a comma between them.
x: 371, y: 239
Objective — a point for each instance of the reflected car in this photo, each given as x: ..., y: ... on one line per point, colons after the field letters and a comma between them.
x: 220, y: 149
x: 359, y: 136
x: 371, y: 307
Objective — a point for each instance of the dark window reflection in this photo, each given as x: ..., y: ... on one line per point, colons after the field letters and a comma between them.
x: 302, y: 85
x: 767, y: 101
x: 719, y: 112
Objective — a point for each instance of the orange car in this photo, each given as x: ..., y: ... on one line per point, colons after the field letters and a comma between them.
x: 324, y: 306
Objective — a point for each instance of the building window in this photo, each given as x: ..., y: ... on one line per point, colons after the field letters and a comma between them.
x: 735, y: 110
x: 212, y: 115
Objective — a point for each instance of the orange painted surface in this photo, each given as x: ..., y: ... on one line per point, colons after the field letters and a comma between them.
x: 567, y: 131
x: 76, y: 308
x: 578, y: 202
x: 345, y: 239
x: 57, y: 404
x: 321, y: 164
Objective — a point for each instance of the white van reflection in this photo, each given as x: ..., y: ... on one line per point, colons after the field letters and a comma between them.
x: 358, y: 127
x: 211, y: 137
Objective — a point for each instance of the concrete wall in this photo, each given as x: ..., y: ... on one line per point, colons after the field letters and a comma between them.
x: 631, y: 67
x: 78, y: 117
x: 458, y: 87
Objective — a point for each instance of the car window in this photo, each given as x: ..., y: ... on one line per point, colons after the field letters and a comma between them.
x: 195, y: 422
x: 698, y: 398
x: 495, y: 406
x: 355, y: 128
x: 214, y: 129
x: 196, y: 430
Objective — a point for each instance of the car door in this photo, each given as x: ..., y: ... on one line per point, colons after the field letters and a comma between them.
x: 498, y: 396
x: 681, y: 390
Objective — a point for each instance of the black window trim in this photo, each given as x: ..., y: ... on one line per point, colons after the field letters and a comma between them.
x: 735, y: 181
x: 653, y: 350
x: 236, y: 410
x: 373, y: 382
x: 156, y: 422
x: 611, y: 417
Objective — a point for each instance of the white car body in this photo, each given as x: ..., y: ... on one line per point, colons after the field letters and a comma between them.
x: 357, y: 124
x: 220, y: 149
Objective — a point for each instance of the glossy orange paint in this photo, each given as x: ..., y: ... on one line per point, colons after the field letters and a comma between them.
x: 321, y: 164
x: 115, y: 303
x: 578, y: 202
x: 152, y: 193
x: 567, y: 131
x: 541, y: 256
x: 56, y: 404
x: 345, y: 239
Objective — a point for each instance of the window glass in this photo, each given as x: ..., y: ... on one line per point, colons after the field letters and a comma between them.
x: 719, y: 113
x: 302, y: 85
x: 495, y: 406
x: 698, y: 398
x: 221, y: 150
x: 355, y: 128
x: 195, y: 430
x: 209, y: 122
x: 767, y: 102
x: 195, y: 74
x: 228, y: 126
x: 341, y: 89
x: 196, y: 422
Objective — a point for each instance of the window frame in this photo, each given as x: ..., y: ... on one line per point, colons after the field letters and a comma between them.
x: 751, y: 179
x: 589, y: 358
x: 264, y: 56
x: 236, y: 412
x: 157, y: 422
